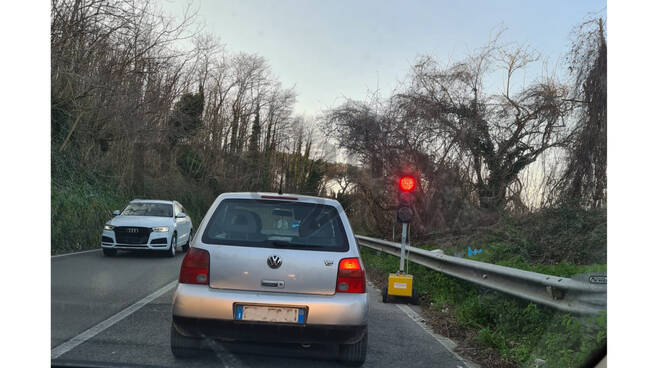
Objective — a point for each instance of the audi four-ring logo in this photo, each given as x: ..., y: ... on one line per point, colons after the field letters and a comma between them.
x: 132, y: 230
x: 274, y: 261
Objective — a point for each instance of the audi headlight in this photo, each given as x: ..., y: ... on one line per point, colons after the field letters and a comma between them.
x: 160, y: 229
x: 108, y: 227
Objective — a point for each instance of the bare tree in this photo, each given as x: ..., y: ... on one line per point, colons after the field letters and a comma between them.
x: 468, y: 145
x: 127, y: 92
x: 584, y: 182
x: 500, y: 133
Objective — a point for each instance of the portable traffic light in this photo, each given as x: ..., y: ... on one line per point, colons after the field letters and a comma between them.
x: 404, y: 212
x: 400, y: 284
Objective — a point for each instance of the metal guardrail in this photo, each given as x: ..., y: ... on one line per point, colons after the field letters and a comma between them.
x: 566, y: 294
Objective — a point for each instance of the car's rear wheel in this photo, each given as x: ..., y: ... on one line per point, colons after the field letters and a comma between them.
x: 354, y: 354
x: 187, y: 245
x: 109, y: 252
x: 184, y: 346
x: 172, y: 251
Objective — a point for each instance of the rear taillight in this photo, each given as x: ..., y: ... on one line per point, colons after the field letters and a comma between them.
x: 350, y: 276
x: 195, y: 267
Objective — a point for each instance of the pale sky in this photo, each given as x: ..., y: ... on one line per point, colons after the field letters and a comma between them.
x: 330, y: 50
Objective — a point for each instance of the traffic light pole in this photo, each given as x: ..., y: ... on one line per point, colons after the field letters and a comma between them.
x: 404, y: 232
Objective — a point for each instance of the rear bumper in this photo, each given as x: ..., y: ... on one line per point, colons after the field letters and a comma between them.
x: 269, y: 332
x: 201, y: 301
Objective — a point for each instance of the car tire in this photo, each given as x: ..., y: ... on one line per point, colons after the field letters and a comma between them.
x: 109, y: 252
x: 171, y: 252
x: 354, y: 355
x: 187, y: 245
x: 184, y: 346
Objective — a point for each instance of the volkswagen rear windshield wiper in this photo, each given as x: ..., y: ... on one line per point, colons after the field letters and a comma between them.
x: 280, y: 244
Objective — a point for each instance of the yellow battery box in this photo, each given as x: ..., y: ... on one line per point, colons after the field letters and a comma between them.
x: 400, y: 285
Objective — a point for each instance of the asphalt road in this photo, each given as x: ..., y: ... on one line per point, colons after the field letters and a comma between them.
x: 88, y: 289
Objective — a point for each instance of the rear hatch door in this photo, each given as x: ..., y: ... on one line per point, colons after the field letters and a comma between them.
x: 275, y: 246
x: 248, y: 268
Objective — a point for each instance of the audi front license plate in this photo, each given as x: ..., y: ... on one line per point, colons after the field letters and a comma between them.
x: 270, y: 314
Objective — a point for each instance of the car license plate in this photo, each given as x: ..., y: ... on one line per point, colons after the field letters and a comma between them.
x: 269, y: 314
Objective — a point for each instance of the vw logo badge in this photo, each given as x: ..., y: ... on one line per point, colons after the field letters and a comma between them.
x: 274, y: 261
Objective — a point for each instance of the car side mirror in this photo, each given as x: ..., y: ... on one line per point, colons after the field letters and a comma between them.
x: 181, y: 215
x: 116, y: 212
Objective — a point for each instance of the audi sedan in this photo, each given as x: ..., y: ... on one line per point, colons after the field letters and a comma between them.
x: 272, y: 268
x: 154, y: 225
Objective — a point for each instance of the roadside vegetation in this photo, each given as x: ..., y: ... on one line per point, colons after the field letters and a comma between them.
x: 495, y: 329
x: 562, y: 241
x: 499, y: 330
x: 80, y: 201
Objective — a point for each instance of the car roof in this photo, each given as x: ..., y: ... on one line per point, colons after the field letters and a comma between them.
x: 284, y: 196
x: 151, y: 201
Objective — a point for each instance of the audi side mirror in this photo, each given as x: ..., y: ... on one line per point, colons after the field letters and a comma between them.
x: 181, y: 215
x: 116, y: 212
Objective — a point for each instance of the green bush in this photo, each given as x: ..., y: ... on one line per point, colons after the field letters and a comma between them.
x: 80, y: 205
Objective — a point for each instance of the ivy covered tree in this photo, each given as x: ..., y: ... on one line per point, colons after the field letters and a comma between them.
x: 584, y: 182
x: 186, y: 117
x: 254, y: 155
x: 184, y: 122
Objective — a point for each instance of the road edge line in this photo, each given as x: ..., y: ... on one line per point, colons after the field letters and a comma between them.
x: 448, y: 343
x: 72, y: 253
x: 72, y: 343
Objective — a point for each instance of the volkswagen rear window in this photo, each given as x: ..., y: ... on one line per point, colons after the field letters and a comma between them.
x: 276, y: 224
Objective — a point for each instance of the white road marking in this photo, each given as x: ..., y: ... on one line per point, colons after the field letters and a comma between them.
x: 228, y: 359
x: 74, y: 253
x: 103, y: 325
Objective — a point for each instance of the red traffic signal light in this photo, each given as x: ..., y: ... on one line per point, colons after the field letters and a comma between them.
x: 407, y: 183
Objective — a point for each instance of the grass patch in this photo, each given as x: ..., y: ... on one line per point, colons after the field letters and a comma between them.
x: 506, y: 254
x: 484, y: 321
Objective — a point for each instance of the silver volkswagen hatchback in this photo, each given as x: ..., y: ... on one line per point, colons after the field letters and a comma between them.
x: 266, y: 267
